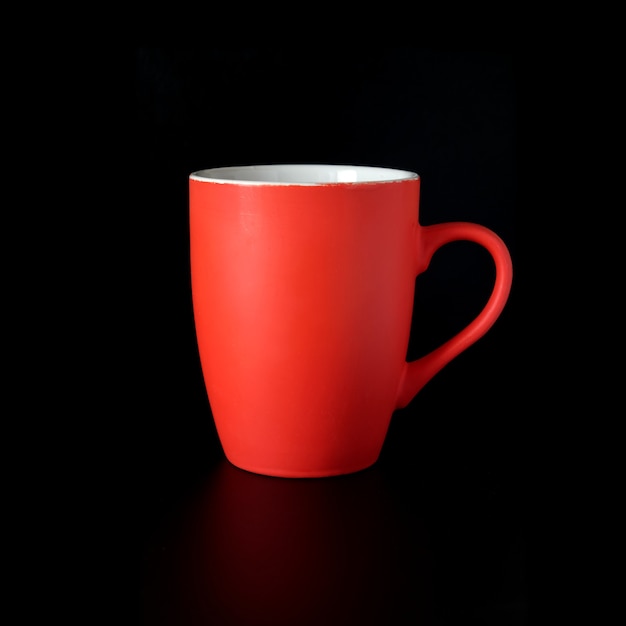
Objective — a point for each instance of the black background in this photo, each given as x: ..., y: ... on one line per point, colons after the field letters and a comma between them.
x: 435, y: 532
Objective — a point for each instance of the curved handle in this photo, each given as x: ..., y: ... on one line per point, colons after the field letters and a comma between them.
x: 430, y: 238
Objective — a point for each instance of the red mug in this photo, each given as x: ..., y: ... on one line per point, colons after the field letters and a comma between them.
x: 303, y: 280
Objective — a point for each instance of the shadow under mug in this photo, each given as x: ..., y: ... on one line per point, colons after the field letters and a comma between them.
x: 303, y: 281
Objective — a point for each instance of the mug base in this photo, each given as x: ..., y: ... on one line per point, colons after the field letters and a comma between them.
x: 313, y: 473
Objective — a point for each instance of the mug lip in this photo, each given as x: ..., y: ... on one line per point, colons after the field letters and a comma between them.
x: 302, y: 174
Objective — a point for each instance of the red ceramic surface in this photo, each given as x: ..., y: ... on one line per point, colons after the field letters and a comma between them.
x: 303, y: 283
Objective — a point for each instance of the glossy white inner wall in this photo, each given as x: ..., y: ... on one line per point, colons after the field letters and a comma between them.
x: 301, y: 174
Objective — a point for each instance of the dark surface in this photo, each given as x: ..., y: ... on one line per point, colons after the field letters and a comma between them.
x: 436, y: 531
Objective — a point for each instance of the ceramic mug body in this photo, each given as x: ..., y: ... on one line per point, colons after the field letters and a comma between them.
x: 303, y: 282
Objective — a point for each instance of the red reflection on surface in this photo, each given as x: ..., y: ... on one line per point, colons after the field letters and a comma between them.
x: 259, y: 550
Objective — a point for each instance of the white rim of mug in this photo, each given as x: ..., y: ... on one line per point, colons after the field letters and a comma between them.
x: 302, y: 174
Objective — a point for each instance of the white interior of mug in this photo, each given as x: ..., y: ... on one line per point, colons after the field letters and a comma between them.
x: 295, y: 174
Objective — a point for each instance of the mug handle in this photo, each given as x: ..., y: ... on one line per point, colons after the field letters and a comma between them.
x: 429, y: 239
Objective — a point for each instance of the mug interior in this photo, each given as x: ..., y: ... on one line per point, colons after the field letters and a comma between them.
x: 296, y: 174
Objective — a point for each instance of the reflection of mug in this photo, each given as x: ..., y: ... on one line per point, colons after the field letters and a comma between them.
x: 303, y: 280
x: 260, y: 550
